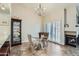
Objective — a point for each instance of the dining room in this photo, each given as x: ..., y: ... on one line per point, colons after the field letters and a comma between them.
x: 40, y: 29
x: 35, y: 29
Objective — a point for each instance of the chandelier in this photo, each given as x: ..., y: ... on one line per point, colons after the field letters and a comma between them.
x: 40, y: 10
x: 2, y: 6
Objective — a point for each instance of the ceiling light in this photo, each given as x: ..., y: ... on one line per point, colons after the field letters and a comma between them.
x: 40, y: 10
x: 3, y: 8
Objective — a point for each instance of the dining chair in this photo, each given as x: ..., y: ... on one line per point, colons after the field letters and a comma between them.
x: 31, y: 45
x: 44, y: 38
x: 45, y: 42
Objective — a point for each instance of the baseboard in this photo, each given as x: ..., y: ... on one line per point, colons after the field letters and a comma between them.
x: 55, y: 42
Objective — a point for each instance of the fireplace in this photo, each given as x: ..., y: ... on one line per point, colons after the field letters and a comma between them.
x: 70, y: 39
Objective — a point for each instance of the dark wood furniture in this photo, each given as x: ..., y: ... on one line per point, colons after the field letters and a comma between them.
x: 77, y: 41
x: 43, y: 33
x: 44, y: 38
x: 15, y: 32
x: 70, y: 38
x: 5, y: 49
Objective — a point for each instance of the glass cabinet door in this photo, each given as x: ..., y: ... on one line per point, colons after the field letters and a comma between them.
x: 16, y: 32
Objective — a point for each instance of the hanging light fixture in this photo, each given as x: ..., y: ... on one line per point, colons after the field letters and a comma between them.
x: 40, y: 10
x: 2, y: 7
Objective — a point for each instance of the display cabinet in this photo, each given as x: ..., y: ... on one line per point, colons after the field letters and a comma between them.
x: 15, y: 32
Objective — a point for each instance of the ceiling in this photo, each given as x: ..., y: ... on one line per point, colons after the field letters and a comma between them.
x: 48, y: 7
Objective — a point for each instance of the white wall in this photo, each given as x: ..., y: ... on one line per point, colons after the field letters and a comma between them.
x: 31, y: 22
x: 4, y: 27
x: 71, y: 18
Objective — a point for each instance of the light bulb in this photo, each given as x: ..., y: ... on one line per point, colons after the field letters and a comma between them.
x: 3, y: 8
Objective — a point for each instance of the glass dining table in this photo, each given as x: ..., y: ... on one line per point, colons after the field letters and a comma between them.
x: 39, y: 42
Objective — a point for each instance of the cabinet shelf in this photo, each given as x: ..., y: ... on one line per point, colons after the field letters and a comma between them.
x: 15, y: 32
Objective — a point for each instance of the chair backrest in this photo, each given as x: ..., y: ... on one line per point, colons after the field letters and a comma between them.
x: 43, y: 33
x: 30, y: 38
